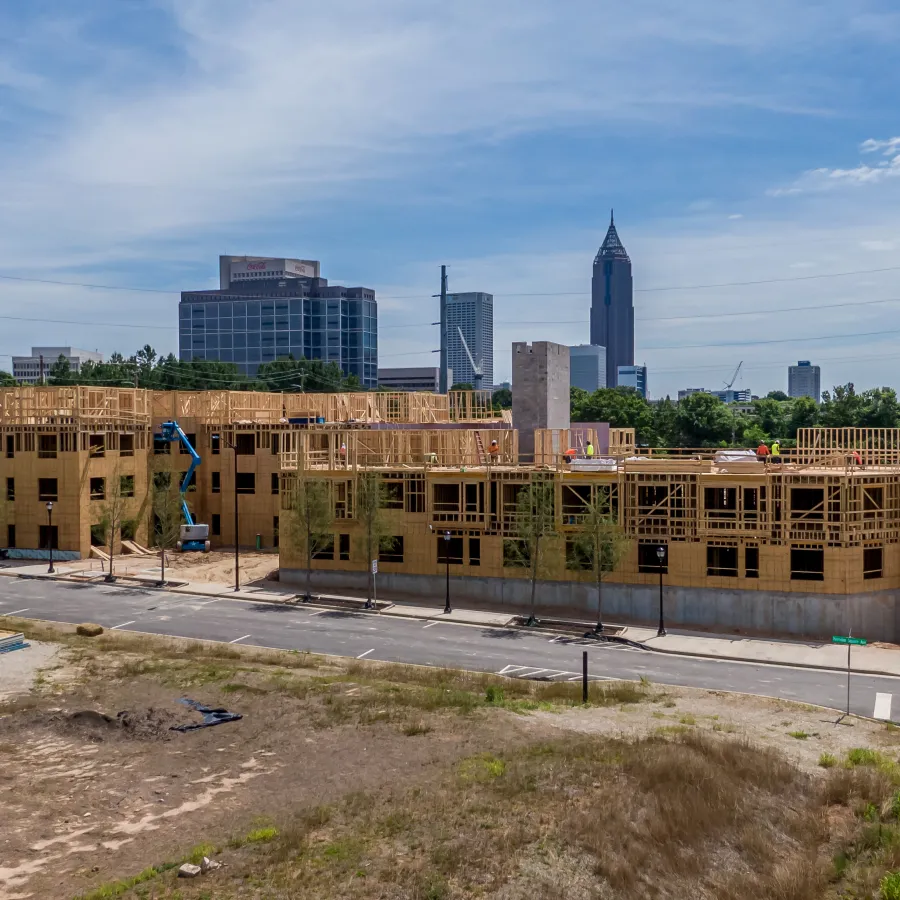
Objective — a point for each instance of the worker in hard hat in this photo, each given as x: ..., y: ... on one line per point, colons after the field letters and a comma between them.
x: 569, y: 455
x: 494, y: 451
x: 589, y: 450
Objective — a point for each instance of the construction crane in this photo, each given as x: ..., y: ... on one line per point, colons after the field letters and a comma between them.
x: 192, y: 535
x: 476, y: 369
x: 728, y: 384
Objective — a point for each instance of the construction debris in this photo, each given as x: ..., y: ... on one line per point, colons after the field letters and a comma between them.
x: 211, y: 716
x: 189, y: 870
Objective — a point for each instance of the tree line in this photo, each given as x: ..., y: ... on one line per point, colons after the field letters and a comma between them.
x: 703, y: 420
x: 147, y: 369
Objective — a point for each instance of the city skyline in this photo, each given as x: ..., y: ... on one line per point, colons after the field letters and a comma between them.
x: 777, y: 177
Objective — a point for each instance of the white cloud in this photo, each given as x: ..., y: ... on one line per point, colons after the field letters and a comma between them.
x: 889, y: 147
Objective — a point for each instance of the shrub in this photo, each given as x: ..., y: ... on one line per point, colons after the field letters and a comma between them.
x: 493, y: 694
x: 863, y: 756
x: 827, y: 760
x: 88, y: 629
x: 890, y: 886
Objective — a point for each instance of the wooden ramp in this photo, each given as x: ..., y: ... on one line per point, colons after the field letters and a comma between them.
x: 135, y: 549
x: 97, y: 553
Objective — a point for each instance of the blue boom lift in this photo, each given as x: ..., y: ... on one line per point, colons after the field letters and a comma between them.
x: 193, y: 536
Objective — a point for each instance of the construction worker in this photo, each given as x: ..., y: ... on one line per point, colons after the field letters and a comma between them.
x: 494, y: 451
x: 776, y: 451
x: 589, y: 450
x: 762, y: 452
x: 569, y: 455
x: 342, y: 453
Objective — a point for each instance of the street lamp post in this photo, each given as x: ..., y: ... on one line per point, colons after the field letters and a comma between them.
x: 661, y: 555
x: 237, y: 547
x: 51, y: 570
x: 447, y: 609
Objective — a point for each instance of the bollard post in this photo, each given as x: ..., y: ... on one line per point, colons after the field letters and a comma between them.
x: 584, y: 679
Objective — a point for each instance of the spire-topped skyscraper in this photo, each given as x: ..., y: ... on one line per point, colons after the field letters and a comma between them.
x: 612, y: 304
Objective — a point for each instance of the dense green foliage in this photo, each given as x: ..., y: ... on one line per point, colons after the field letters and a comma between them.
x: 702, y: 420
x: 146, y: 369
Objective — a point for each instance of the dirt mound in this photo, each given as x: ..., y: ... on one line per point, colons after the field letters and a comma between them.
x: 150, y: 724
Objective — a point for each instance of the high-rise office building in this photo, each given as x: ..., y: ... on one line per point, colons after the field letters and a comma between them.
x: 272, y: 308
x: 587, y: 367
x: 612, y: 304
x: 473, y: 314
x: 805, y: 380
x: 634, y: 377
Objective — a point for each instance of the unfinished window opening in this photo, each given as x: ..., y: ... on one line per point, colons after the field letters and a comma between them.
x: 653, y: 500
x: 445, y: 504
x: 97, y: 444
x: 160, y: 446
x: 98, y: 535
x: 49, y: 537
x: 751, y: 562
x: 11, y: 536
x: 48, y: 445
x: 578, y: 556
x: 720, y: 502
x: 216, y: 525
x: 126, y: 445
x: 216, y: 482
x: 722, y: 561
x: 325, y: 549
x: 274, y: 531
x: 808, y: 504
x: 215, y: 444
x: 10, y: 489
x: 415, y: 494
x: 648, y: 560
x: 246, y: 482
x: 128, y: 530
x: 452, y: 548
x: 192, y: 440
x: 873, y: 503
x: 393, y: 492
x: 344, y: 547
x: 390, y: 549
x: 276, y: 444
x: 275, y: 488
x: 474, y: 501
x: 47, y: 489
x: 515, y: 554
x: 10, y: 446
x: 474, y: 551
x: 98, y: 488
x: 807, y: 564
x: 126, y: 485
x: 873, y: 562
x: 245, y: 444
x: 751, y: 502
x: 343, y: 506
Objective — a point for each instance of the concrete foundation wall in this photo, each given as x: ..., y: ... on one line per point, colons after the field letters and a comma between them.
x: 872, y: 615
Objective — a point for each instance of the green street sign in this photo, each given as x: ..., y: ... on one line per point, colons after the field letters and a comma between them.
x: 840, y: 639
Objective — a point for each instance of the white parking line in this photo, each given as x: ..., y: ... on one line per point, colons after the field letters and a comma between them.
x: 429, y: 625
x: 15, y: 612
x: 123, y: 625
x: 882, y: 707
x: 508, y: 670
x: 530, y: 674
x: 319, y: 613
x: 361, y: 655
x: 239, y: 639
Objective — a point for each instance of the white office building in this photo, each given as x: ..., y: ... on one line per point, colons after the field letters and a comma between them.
x: 411, y: 378
x: 29, y: 369
x: 587, y: 367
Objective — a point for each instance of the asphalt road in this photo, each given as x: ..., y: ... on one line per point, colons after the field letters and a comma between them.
x: 435, y: 643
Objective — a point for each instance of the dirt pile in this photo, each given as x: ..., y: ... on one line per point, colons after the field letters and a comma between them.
x: 149, y: 724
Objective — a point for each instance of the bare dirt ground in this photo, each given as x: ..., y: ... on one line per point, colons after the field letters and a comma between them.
x: 215, y: 566
x: 371, y: 781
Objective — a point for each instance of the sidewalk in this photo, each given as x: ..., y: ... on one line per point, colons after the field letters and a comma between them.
x: 807, y: 654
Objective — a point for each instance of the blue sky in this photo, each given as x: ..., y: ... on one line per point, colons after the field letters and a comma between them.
x: 138, y: 140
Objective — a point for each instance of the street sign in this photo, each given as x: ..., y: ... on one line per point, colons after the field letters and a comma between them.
x: 840, y: 639
x: 375, y: 570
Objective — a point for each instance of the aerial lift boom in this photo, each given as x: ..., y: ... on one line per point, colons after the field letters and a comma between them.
x: 475, y: 369
x: 193, y: 536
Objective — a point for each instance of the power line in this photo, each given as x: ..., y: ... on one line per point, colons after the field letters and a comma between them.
x: 647, y: 290
x: 795, y: 340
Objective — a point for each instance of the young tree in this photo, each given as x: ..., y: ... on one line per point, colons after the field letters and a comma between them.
x: 119, y: 488
x: 310, y: 520
x: 535, y: 521
x: 603, y: 542
x: 168, y: 516
x: 371, y: 498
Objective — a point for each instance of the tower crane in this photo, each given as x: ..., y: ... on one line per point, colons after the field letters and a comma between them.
x: 728, y: 384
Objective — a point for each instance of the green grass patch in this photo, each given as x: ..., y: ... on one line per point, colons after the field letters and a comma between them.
x: 688, y: 719
x: 889, y: 887
x: 798, y: 735
x: 827, y: 760
x: 482, y: 768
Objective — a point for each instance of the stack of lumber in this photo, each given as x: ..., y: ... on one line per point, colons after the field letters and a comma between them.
x: 10, y: 641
